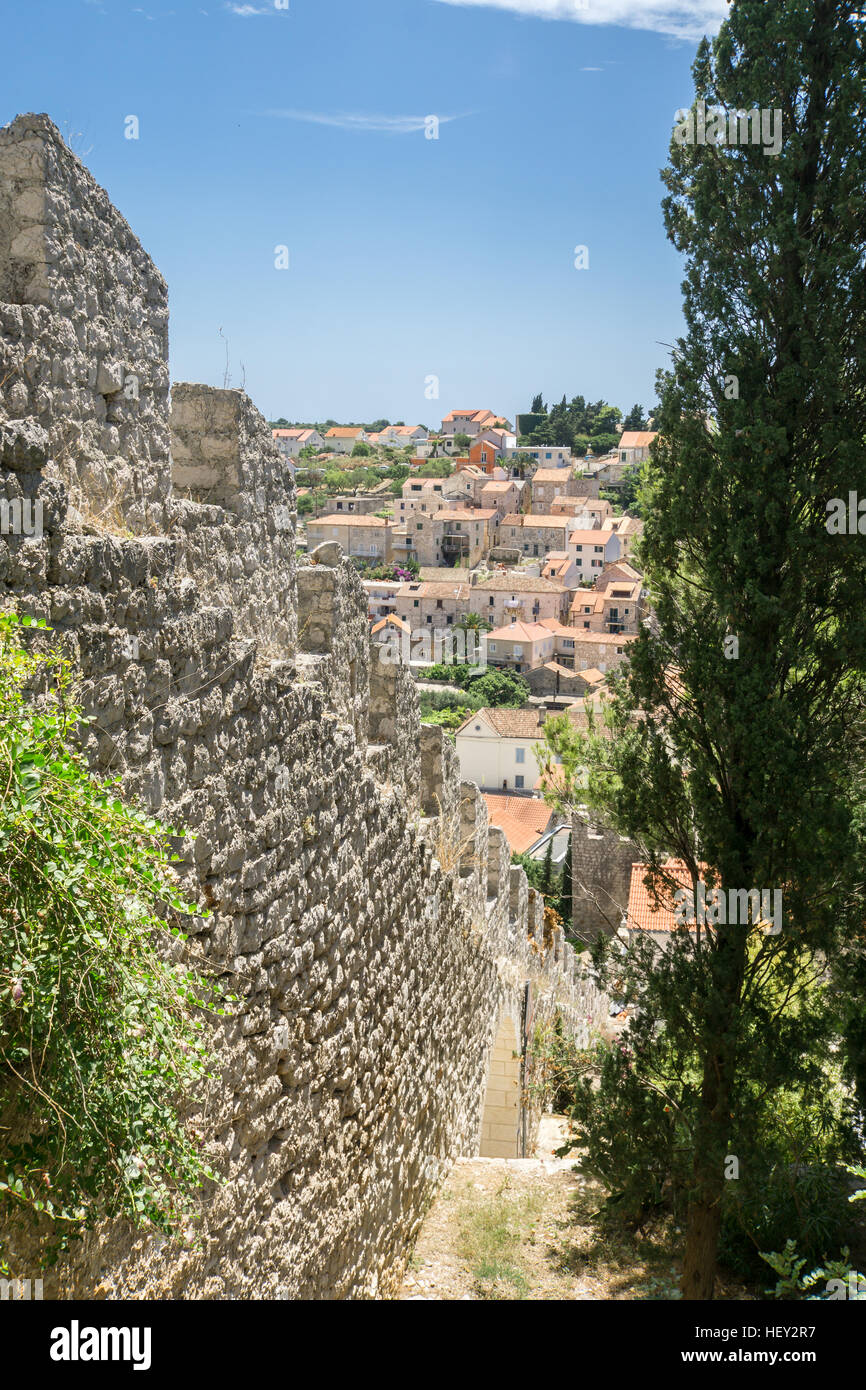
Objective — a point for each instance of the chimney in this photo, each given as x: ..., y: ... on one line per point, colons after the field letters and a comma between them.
x: 542, y: 714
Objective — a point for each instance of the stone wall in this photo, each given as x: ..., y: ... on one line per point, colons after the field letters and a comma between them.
x: 601, y: 877
x: 374, y: 927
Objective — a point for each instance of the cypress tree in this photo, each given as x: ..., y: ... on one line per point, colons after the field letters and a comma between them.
x: 737, y: 728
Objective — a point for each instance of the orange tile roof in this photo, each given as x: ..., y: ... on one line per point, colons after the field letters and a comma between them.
x: 521, y: 632
x: 637, y: 439
x: 523, y: 818
x: 643, y: 914
x: 347, y: 519
x: 344, y: 432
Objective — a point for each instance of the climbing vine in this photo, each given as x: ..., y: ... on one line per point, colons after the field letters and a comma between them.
x: 101, y: 1026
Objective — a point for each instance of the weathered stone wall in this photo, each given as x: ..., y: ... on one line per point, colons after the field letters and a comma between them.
x: 371, y: 921
x: 601, y: 877
x: 83, y: 330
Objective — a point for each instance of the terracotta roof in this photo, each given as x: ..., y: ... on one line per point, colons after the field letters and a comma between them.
x: 519, y: 584
x: 521, y: 632
x: 348, y: 519
x: 642, y: 914
x: 496, y: 487
x: 557, y: 628
x: 593, y: 537
x: 523, y: 818
x: 433, y: 590
x: 517, y: 723
x: 473, y: 513
x: 592, y: 675
x: 344, y: 432
x: 617, y: 572
x: 391, y: 621
x: 637, y: 439
x: 608, y: 639
x: 469, y: 415
x: 552, y: 475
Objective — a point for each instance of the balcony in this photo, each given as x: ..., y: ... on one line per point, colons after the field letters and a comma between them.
x: 455, y: 544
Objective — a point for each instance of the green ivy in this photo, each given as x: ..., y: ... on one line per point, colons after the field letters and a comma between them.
x: 101, y: 1025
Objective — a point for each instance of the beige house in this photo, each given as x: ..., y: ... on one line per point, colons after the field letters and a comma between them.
x: 343, y: 438
x: 426, y: 604
x: 472, y: 423
x: 367, y: 537
x: 634, y: 446
x: 520, y: 646
x: 587, y: 511
x: 503, y: 495
x: 535, y: 534
x: 592, y: 550
x: 502, y: 598
x: 616, y: 608
x: 448, y: 537
x: 600, y: 651
x: 628, y: 528
x: 548, y: 484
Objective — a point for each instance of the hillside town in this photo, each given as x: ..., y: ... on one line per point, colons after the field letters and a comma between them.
x: 480, y: 549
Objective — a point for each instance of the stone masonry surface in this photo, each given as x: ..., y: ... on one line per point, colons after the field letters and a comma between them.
x: 368, y: 915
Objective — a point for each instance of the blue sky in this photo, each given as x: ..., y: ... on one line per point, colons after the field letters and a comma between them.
x: 408, y: 257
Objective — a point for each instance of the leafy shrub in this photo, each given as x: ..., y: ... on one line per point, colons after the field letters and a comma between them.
x: 100, y: 1033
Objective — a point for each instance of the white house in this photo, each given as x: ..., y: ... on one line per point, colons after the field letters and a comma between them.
x: 291, y: 442
x: 343, y: 438
x: 497, y: 747
x: 592, y: 550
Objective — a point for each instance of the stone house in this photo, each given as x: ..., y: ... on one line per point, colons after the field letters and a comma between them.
x: 520, y: 646
x: 548, y: 484
x: 427, y: 604
x: 502, y: 598
x: 367, y: 537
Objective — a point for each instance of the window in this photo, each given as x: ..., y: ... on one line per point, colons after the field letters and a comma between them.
x: 416, y: 603
x: 449, y: 619
x: 586, y: 625
x: 491, y: 646
x: 520, y: 755
x: 518, y: 781
x: 490, y: 600
x: 429, y: 618
x: 438, y: 603
x: 419, y: 526
x: 569, y: 642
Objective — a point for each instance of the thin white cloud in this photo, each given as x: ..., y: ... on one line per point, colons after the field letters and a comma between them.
x: 249, y: 11
x: 592, y: 69
x: 347, y: 120
x: 682, y: 19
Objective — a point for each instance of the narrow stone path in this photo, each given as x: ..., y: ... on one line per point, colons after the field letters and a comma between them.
x: 508, y: 1228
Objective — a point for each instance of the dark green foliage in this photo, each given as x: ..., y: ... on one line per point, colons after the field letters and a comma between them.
x: 100, y: 1026
x: 753, y: 765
